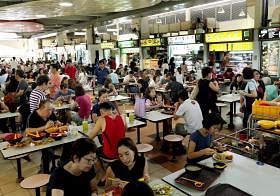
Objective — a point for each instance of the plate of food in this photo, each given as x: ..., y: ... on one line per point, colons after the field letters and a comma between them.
x: 266, y: 124
x: 162, y: 189
x: 57, y: 129
x: 37, y: 135
x: 224, y: 157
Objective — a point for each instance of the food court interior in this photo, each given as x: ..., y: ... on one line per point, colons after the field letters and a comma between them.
x: 129, y: 97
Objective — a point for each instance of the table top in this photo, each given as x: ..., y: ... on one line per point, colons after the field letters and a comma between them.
x: 229, y: 98
x: 176, y: 192
x: 156, y: 116
x: 9, y: 114
x: 118, y: 98
x: 11, y: 152
x: 62, y: 106
x: 243, y: 173
x: 135, y: 123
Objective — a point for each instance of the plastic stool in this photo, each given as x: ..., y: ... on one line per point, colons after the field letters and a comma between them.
x: 35, y: 182
x: 173, y: 138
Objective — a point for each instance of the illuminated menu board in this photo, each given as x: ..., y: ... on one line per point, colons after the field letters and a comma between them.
x: 187, y: 39
x: 107, y: 45
x: 150, y: 42
x: 228, y: 36
x: 218, y: 47
x: 240, y: 46
x: 128, y: 44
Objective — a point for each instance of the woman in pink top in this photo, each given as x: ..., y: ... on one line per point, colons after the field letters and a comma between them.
x: 84, y: 103
x: 55, y: 79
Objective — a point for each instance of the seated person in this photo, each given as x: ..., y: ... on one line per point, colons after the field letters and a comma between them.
x: 102, y: 97
x: 83, y: 103
x: 112, y: 128
x: 3, y: 121
x: 110, y: 88
x: 40, y: 120
x: 129, y: 78
x: 77, y: 177
x: 129, y: 167
x: 137, y: 189
x: 189, y: 110
x: 200, y: 140
x: 64, y: 94
x: 175, y: 88
x: 151, y: 101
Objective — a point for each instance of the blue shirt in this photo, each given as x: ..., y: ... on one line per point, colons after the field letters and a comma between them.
x: 101, y: 75
x: 200, y: 141
x: 271, y: 92
x: 65, y: 96
x: 114, y: 77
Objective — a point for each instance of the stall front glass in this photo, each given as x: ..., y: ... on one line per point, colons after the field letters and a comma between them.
x: 271, y: 57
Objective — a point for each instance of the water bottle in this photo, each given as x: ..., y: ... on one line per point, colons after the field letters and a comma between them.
x: 131, y: 117
x: 85, y: 126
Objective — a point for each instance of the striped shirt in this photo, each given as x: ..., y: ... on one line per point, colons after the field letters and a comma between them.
x: 36, y: 97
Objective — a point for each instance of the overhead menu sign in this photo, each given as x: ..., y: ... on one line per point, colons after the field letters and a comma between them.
x: 271, y: 33
x: 128, y: 44
x: 240, y: 46
x: 107, y: 45
x: 150, y: 42
x: 218, y: 47
x: 227, y: 36
x: 187, y: 39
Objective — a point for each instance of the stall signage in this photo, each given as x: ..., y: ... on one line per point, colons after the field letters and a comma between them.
x: 107, y: 45
x: 128, y: 44
x: 187, y: 39
x: 272, y: 33
x: 228, y: 36
x: 218, y: 47
x: 130, y: 50
x: 240, y: 46
x: 150, y: 42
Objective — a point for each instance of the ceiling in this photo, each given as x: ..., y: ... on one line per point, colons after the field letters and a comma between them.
x: 82, y: 13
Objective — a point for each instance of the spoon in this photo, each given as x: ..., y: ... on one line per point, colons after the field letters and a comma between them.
x: 197, y: 184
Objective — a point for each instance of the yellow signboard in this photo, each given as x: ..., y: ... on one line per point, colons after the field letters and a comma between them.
x: 107, y: 45
x: 150, y: 42
x: 240, y: 46
x: 228, y: 36
x: 218, y: 47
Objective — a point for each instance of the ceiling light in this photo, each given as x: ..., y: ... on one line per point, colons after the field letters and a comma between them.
x: 8, y: 36
x: 41, y: 16
x: 19, y: 25
x: 166, y: 9
x: 221, y: 10
x: 112, y: 30
x: 242, y: 13
x: 80, y: 33
x: 158, y: 21
x: 66, y: 4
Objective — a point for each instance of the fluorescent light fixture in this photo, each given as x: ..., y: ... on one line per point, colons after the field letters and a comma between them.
x: 221, y: 10
x: 242, y: 13
x: 48, y: 35
x: 19, y: 25
x: 65, y: 4
x: 80, y: 33
x: 112, y: 30
x: 4, y: 36
x: 166, y: 9
x: 41, y: 16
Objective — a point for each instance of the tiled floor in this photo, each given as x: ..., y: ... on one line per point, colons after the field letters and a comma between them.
x: 8, y: 172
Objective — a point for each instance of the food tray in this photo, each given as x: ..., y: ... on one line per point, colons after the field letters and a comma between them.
x: 225, y: 190
x: 207, y: 175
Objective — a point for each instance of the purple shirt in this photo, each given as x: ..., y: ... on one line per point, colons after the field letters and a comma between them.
x: 84, y: 103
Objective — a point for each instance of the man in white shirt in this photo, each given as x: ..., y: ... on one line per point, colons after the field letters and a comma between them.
x: 129, y: 78
x: 14, y: 63
x: 189, y: 110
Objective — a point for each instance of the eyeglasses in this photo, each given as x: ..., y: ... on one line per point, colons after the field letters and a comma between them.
x: 90, y: 161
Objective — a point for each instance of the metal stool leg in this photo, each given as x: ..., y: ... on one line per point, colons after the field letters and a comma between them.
x: 37, y: 191
x: 173, y: 153
x: 20, y: 177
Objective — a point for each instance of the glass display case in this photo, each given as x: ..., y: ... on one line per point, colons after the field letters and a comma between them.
x: 271, y: 57
x: 240, y: 59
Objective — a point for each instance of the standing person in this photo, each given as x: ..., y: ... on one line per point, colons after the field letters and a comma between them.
x: 189, y: 110
x: 252, y: 91
x: 70, y: 70
x: 14, y: 63
x: 82, y: 76
x: 172, y: 65
x: 207, y: 92
x: 112, y: 127
x: 101, y: 73
x: 78, y: 176
x: 22, y: 87
x: 179, y: 76
x: 38, y: 94
x: 55, y: 79
x: 184, y: 66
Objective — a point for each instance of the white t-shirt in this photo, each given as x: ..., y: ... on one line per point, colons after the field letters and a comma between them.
x: 13, y: 64
x: 179, y: 78
x: 192, y: 114
x: 127, y: 78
